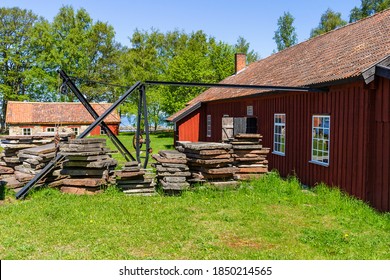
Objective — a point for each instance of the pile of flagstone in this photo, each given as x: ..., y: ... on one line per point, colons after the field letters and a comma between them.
x: 210, y: 162
x: 133, y: 180
x: 250, y: 157
x: 88, y: 165
x: 172, y: 170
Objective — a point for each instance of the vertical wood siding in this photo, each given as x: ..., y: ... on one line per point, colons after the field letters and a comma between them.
x: 379, y: 183
x: 187, y: 129
x: 353, y: 164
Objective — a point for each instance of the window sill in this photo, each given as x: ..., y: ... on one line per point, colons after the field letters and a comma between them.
x: 319, y: 163
x: 279, y: 154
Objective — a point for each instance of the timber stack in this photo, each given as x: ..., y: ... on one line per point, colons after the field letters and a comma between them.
x: 172, y: 171
x: 133, y: 180
x: 210, y: 162
x: 88, y: 165
x: 250, y: 157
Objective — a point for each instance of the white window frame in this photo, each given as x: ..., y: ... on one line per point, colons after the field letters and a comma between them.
x: 320, y: 140
x: 279, y: 146
x: 26, y: 131
x: 249, y: 110
x: 208, y: 126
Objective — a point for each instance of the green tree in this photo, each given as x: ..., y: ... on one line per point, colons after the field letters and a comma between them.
x: 368, y: 8
x: 285, y: 35
x: 83, y: 49
x: 330, y: 20
x: 17, y: 55
x: 242, y: 46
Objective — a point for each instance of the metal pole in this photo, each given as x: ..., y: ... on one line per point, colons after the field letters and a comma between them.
x: 49, y: 167
x: 118, y: 144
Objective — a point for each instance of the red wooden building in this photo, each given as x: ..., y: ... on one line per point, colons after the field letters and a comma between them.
x: 340, y: 136
x: 27, y: 118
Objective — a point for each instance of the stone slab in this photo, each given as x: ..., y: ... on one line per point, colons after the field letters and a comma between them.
x: 84, y: 182
x: 172, y: 154
x: 206, y: 146
x: 167, y: 160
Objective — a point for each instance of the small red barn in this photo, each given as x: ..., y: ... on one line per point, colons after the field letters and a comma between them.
x: 27, y: 118
x: 340, y: 136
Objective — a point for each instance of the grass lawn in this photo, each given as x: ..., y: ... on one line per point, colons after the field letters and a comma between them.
x: 158, y: 141
x: 269, y: 218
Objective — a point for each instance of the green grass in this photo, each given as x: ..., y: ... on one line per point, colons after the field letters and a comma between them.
x: 269, y: 218
x: 158, y: 141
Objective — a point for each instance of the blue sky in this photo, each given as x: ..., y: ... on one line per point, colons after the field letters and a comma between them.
x: 226, y: 20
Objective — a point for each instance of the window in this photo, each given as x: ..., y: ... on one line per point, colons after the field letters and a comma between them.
x: 50, y: 129
x: 279, y: 134
x: 208, y: 126
x: 26, y: 131
x: 102, y: 131
x: 75, y: 130
x: 249, y: 110
x: 320, y: 139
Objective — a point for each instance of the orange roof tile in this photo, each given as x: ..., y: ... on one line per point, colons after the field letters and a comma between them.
x: 55, y: 113
x: 339, y: 54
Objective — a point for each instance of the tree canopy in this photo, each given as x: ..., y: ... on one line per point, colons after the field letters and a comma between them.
x: 285, y: 35
x: 368, y: 8
x: 330, y: 20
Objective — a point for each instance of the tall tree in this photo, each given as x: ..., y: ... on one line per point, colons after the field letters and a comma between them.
x: 368, y: 8
x: 242, y: 46
x: 285, y: 35
x: 330, y: 20
x: 84, y: 49
x: 16, y: 55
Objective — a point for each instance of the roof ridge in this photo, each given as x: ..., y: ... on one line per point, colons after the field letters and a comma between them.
x: 43, y: 102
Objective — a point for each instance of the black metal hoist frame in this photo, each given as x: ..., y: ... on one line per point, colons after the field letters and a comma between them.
x: 142, y: 112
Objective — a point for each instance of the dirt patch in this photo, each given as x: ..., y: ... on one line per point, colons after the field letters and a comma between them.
x: 237, y: 242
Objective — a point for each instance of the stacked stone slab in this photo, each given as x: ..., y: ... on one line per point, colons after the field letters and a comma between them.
x: 172, y: 170
x: 250, y: 157
x: 133, y: 180
x: 211, y: 162
x: 13, y: 144
x: 88, y: 165
x: 30, y: 154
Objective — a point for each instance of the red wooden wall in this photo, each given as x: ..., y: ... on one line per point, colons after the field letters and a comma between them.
x: 114, y: 128
x: 188, y: 128
x: 353, y: 164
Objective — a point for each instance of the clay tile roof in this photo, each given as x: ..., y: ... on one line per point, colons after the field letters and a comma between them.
x: 55, y: 113
x: 339, y: 54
